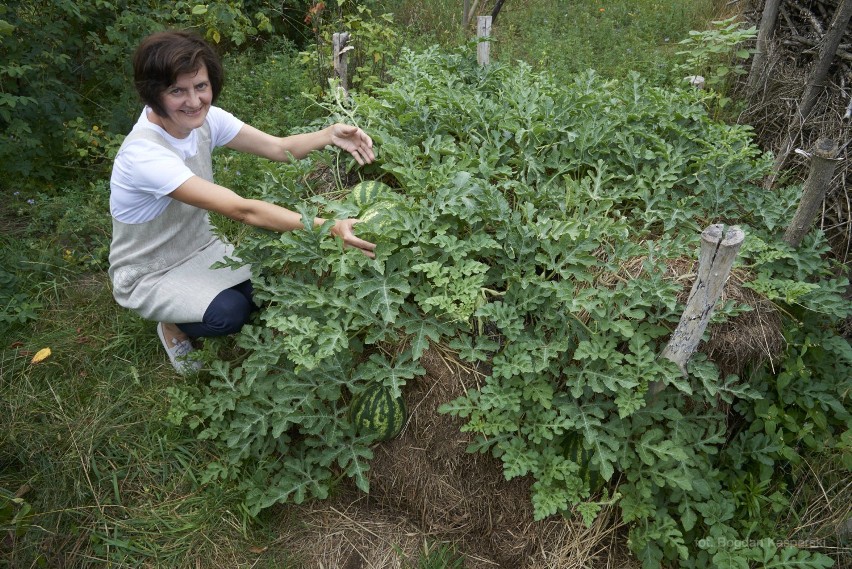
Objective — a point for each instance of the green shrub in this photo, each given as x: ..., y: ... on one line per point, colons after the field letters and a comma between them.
x: 66, y: 69
x: 374, y: 41
x: 718, y: 56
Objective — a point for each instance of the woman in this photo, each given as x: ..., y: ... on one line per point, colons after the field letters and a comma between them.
x: 162, y: 189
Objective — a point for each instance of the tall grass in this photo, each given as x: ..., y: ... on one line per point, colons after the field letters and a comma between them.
x: 611, y: 36
x: 85, y: 443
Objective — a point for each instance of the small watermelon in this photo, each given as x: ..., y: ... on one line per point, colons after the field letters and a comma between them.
x: 368, y: 192
x: 377, y: 221
x: 377, y: 213
x: 574, y: 450
x: 375, y: 411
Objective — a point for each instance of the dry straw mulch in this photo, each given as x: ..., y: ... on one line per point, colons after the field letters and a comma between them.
x: 465, y: 497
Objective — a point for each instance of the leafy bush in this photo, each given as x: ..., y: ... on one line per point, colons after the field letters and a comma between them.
x: 66, y: 66
x: 536, y: 227
x: 718, y: 57
x: 374, y: 41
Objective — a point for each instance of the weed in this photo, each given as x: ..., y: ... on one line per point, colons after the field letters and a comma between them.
x: 439, y: 556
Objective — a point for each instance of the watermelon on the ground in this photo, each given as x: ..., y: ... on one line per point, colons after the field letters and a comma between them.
x: 368, y: 192
x: 375, y: 411
x: 575, y: 451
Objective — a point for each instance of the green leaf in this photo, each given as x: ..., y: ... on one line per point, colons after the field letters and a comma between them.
x: 422, y: 330
x: 386, y: 294
x: 6, y: 28
x: 393, y: 374
x: 354, y: 460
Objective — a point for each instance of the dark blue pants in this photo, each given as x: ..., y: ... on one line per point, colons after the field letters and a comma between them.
x: 227, y: 314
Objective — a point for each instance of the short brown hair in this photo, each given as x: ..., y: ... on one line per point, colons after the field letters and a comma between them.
x: 162, y: 56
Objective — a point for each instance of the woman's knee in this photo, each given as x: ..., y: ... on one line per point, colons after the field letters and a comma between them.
x: 228, y: 313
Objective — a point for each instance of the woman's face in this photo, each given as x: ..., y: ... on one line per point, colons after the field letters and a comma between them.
x: 186, y: 102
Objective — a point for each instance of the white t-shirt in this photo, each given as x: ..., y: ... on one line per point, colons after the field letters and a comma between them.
x: 144, y: 173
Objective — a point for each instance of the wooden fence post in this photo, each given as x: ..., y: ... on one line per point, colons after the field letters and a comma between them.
x: 483, y: 48
x: 767, y: 28
x: 718, y: 251
x: 823, y: 164
x: 339, y: 50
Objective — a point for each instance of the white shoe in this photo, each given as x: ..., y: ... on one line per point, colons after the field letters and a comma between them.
x: 177, y: 353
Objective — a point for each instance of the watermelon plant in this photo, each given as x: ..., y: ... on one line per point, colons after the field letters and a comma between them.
x: 537, y: 227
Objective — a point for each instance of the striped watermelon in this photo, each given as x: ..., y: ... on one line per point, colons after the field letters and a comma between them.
x: 368, y: 192
x: 375, y: 411
x: 574, y: 450
x: 379, y: 222
x: 377, y: 213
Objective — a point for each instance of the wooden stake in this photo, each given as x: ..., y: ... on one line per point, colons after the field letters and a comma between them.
x: 469, y: 9
x: 483, y: 48
x: 767, y: 28
x: 339, y: 50
x: 823, y: 163
x: 718, y: 251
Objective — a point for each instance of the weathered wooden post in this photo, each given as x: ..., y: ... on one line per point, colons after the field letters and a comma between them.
x: 467, y: 10
x: 817, y: 78
x: 339, y: 50
x: 718, y: 251
x: 830, y: 42
x: 823, y: 163
x: 483, y: 48
x: 767, y: 28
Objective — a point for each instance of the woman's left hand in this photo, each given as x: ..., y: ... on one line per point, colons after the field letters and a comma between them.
x: 354, y: 141
x: 343, y: 229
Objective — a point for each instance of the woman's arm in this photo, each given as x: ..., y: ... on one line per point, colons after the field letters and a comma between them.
x: 350, y: 138
x: 200, y: 193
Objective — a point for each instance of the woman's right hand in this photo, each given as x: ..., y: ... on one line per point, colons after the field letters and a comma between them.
x: 343, y: 228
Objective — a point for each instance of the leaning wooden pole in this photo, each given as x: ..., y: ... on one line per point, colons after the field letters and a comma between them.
x: 830, y: 43
x: 467, y: 12
x: 719, y: 249
x: 817, y: 78
x: 767, y: 28
x: 497, y: 7
x: 823, y: 164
